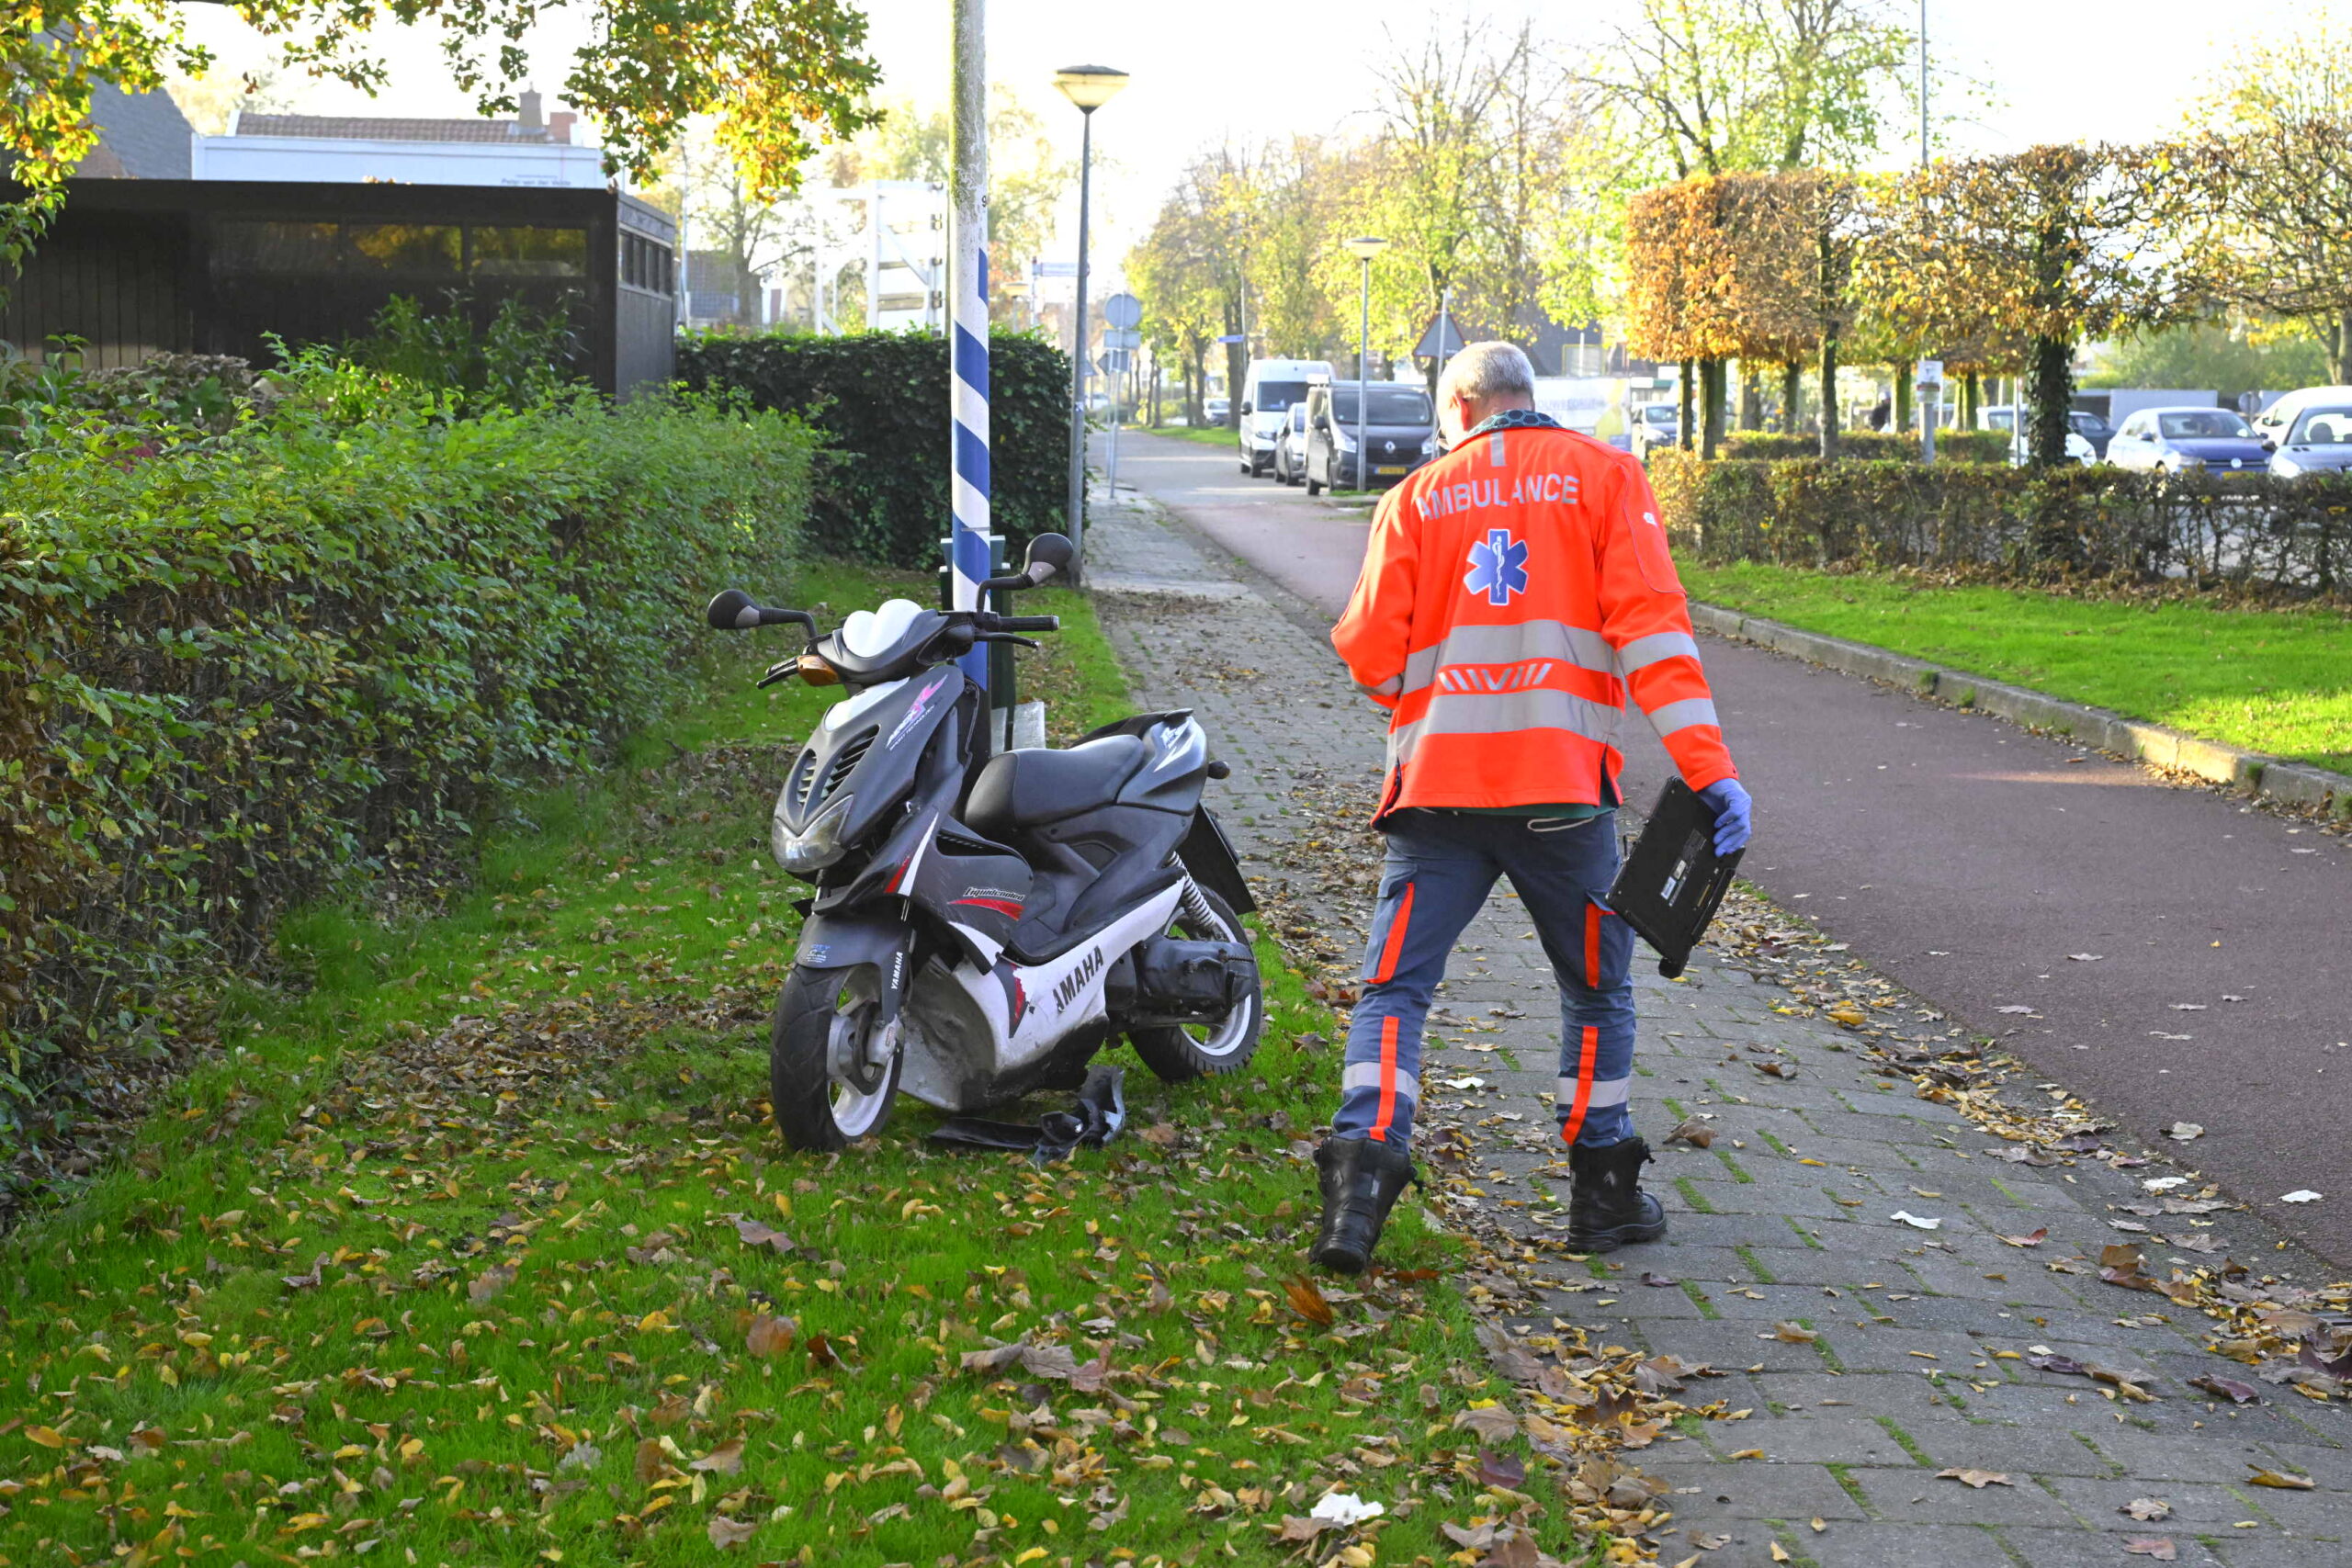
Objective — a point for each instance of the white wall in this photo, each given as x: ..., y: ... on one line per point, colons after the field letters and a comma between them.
x: 535, y: 165
x: 2125, y: 401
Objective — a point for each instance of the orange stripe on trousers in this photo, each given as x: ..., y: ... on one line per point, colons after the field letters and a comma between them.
x: 1388, y: 1081
x: 1592, y: 947
x: 1575, y: 1123
x: 1394, y: 948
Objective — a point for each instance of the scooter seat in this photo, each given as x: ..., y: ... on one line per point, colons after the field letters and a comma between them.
x: 1024, y: 788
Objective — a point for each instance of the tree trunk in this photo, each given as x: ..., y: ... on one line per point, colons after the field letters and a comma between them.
x: 1751, y: 397
x: 1792, y: 398
x: 2339, y: 338
x: 1971, y: 400
x: 1901, y: 419
x: 1686, y: 434
x: 1714, y: 374
x: 1829, y: 397
x: 2054, y: 399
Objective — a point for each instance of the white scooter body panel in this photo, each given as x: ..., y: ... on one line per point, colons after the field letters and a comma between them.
x: 1023, y: 1011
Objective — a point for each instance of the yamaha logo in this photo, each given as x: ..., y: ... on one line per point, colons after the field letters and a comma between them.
x: 1073, y: 984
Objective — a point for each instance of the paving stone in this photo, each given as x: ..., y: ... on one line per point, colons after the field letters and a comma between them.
x: 1881, y: 1146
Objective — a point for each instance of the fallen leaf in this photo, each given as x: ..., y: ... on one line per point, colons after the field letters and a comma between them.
x: 2159, y: 1547
x: 1979, y: 1478
x: 1502, y: 1469
x: 489, y: 1282
x: 1913, y: 1220
x: 770, y: 1335
x: 2147, y: 1510
x: 726, y: 1532
x: 1780, y: 1554
x: 47, y: 1437
x: 2031, y: 1239
x: 1652, y: 1278
x: 579, y: 1456
x: 2285, y: 1480
x: 1693, y: 1131
x: 2300, y: 1195
x: 726, y: 1459
x: 2236, y: 1392
x: 1295, y: 1528
x: 2182, y: 1131
x: 2065, y: 1365
x: 1308, y: 1300
x: 757, y: 1234
x: 309, y: 1282
x: 1793, y: 1334
x: 1775, y: 1069
x: 1491, y: 1422
x: 652, y: 1463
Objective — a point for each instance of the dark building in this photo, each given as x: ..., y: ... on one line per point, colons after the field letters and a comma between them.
x: 136, y: 266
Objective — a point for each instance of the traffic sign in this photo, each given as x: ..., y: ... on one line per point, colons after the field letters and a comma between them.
x: 1233, y: 337
x: 1113, y: 362
x: 1122, y: 337
x: 1429, y: 348
x: 1123, y: 312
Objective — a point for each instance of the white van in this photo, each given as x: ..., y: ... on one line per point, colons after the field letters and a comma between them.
x: 1273, y: 385
x: 2273, y: 423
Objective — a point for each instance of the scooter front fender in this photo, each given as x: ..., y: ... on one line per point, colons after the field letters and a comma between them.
x: 848, y: 941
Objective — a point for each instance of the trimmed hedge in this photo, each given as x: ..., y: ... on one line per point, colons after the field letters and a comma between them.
x: 2245, y: 531
x: 1951, y: 446
x: 238, y: 668
x: 880, y: 399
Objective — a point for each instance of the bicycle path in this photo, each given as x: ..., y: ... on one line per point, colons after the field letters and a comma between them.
x: 2170, y: 953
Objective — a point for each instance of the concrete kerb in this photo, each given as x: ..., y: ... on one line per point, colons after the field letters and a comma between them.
x: 2249, y: 773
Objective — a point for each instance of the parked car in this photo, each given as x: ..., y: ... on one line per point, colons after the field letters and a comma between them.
x: 1215, y: 410
x: 2185, y: 440
x: 1399, y: 431
x: 2094, y: 429
x: 1267, y: 393
x: 2319, y: 442
x: 2277, y: 420
x: 1650, y: 425
x: 2001, y: 416
x: 1290, y: 447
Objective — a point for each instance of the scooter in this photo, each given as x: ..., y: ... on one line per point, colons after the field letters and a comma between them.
x: 984, y: 923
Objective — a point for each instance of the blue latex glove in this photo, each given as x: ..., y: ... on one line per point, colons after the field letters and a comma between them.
x: 1734, y: 814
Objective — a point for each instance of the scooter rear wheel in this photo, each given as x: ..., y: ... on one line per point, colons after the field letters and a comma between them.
x: 1179, y: 1052
x: 823, y: 1021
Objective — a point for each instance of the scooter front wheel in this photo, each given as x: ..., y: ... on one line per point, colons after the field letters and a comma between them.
x: 833, y: 1067
x: 1179, y: 1053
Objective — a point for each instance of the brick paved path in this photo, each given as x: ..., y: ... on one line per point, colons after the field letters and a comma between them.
x: 1918, y: 1365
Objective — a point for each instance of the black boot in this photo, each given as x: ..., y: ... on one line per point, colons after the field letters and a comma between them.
x: 1360, y: 1181
x: 1607, y: 1208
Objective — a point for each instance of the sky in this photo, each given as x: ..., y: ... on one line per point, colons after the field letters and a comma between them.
x: 1204, y: 70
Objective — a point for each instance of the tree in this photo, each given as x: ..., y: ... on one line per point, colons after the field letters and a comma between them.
x: 780, y: 74
x: 2222, y: 356
x: 1180, y: 272
x: 2053, y: 244
x: 2268, y: 210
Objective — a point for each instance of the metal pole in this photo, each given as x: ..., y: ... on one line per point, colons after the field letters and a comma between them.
x: 1363, y: 384
x: 1077, y: 370
x: 1245, y: 306
x: 1928, y: 410
x: 1444, y: 326
x: 968, y: 557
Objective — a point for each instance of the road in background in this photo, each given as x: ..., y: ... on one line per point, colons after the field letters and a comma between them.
x: 2178, y: 956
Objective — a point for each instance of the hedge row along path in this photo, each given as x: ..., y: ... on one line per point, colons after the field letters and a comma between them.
x: 1969, y: 862
x: 1961, y: 1388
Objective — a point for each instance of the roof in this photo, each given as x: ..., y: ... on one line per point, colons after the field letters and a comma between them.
x: 141, y: 135
x: 372, y: 127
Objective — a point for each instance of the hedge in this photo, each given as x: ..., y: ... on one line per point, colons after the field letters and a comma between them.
x: 1951, y: 446
x: 236, y: 667
x: 880, y: 399
x: 2244, y: 531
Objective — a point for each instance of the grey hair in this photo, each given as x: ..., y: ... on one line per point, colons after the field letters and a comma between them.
x: 1484, y: 371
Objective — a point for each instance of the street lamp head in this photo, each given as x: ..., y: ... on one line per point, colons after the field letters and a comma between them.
x: 1089, y: 86
x: 1363, y: 247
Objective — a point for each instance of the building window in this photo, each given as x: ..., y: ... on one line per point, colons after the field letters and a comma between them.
x: 528, y: 252
x: 404, y: 250
x: 645, y: 264
x: 274, y: 247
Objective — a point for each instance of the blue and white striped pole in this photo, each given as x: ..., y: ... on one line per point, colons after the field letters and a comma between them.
x: 969, y: 550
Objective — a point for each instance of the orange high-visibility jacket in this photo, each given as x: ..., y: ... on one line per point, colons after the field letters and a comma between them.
x: 1513, y: 591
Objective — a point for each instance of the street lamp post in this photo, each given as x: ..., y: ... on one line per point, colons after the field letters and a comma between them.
x: 1363, y: 248
x: 1090, y: 87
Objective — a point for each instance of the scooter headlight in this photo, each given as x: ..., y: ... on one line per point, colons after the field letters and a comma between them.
x: 815, y: 849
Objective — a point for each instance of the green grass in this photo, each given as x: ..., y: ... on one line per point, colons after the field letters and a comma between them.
x: 452, y: 1254
x: 2271, y: 681
x: 1206, y: 436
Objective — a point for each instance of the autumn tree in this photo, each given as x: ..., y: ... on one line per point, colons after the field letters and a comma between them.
x: 781, y: 75
x: 1180, y: 271
x: 2053, y: 244
x: 2266, y: 210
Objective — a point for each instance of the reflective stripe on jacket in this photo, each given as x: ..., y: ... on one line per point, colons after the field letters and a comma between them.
x: 1512, y: 593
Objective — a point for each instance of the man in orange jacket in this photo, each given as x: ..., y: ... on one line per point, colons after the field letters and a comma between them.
x: 1513, y: 592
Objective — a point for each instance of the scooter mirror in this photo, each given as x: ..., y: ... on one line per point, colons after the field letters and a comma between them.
x: 1048, y: 554
x: 733, y: 611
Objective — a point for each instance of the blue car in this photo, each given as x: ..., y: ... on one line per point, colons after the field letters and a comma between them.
x: 2187, y: 440
x: 2319, y: 442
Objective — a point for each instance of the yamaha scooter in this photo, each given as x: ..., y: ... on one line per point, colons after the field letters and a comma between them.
x: 984, y: 923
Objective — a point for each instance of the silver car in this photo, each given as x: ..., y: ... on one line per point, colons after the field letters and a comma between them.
x: 2320, y: 442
